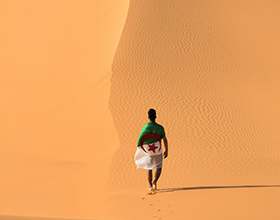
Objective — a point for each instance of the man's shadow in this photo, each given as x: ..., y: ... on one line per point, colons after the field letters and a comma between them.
x: 214, y: 187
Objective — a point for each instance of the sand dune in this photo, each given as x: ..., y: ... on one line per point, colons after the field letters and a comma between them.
x: 55, y: 69
x: 77, y: 80
x: 211, y: 72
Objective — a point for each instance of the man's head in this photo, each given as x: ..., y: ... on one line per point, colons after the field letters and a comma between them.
x: 152, y: 114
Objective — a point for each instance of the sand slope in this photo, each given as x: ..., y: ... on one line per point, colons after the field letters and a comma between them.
x: 55, y: 70
x: 70, y: 120
x: 211, y: 71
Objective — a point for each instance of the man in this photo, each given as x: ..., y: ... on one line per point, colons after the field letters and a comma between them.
x: 149, y: 151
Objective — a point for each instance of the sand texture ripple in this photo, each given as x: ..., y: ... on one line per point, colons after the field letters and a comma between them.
x: 211, y: 71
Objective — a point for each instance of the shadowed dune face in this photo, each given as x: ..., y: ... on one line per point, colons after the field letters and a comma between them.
x: 211, y: 71
x: 55, y: 66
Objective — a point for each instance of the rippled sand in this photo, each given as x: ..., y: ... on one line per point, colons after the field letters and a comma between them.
x: 211, y: 71
x: 77, y: 80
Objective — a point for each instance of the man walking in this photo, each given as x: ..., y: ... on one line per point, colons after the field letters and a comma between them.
x: 149, y: 149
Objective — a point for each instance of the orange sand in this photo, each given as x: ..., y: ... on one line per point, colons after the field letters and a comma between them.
x: 68, y: 134
x: 57, y: 133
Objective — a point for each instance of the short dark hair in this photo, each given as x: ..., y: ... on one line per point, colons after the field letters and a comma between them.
x: 152, y: 114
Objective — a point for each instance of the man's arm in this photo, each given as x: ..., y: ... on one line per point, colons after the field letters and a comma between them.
x: 165, y: 154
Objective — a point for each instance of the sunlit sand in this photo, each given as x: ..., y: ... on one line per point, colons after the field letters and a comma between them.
x: 77, y: 80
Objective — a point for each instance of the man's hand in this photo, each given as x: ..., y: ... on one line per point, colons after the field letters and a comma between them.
x: 165, y: 154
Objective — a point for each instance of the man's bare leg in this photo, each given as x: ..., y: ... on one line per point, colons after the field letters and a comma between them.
x: 154, y: 183
x: 150, y: 179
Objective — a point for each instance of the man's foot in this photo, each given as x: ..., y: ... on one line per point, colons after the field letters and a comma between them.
x: 154, y: 187
x: 150, y: 188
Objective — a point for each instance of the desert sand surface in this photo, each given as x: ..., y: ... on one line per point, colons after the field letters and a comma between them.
x: 77, y: 80
x: 211, y: 70
x: 55, y: 66
x: 12, y: 217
